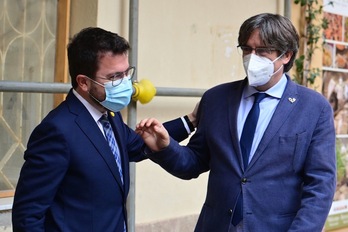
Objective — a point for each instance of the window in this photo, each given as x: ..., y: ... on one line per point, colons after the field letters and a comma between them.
x: 27, y: 53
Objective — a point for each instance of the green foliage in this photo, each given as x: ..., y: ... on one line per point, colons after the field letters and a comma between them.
x: 314, y: 23
x: 341, y: 168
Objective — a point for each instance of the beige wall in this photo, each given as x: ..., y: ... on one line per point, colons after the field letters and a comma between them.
x: 182, y: 43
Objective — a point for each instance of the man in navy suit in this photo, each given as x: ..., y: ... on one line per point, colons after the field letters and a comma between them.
x: 71, y: 180
x: 285, y: 179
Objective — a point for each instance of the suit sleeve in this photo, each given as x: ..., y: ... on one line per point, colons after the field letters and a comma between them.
x: 46, y: 162
x: 176, y: 129
x: 135, y: 145
x: 185, y: 162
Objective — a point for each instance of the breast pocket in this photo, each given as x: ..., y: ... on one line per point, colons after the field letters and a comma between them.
x: 294, y: 149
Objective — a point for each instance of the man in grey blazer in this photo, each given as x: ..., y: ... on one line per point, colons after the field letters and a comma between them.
x: 279, y: 176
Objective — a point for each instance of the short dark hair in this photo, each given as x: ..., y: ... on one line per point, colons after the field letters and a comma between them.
x: 275, y: 31
x: 88, y: 46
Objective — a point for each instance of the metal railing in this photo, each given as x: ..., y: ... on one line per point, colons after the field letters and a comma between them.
x: 46, y: 87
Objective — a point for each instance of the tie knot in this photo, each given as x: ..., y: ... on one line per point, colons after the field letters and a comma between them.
x: 259, y: 97
x: 104, y: 120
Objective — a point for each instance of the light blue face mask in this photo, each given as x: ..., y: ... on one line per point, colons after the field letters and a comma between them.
x: 117, y: 97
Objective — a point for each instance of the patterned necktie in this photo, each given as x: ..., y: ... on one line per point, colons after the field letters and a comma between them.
x: 246, y: 142
x: 110, y: 137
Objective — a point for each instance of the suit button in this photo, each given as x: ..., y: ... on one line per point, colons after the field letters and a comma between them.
x: 244, y: 180
x: 230, y: 211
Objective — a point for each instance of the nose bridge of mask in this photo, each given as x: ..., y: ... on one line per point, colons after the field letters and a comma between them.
x: 261, y: 59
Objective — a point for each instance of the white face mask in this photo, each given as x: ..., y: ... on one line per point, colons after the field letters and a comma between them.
x: 259, y: 70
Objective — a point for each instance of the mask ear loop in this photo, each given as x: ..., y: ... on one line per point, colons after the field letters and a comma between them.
x: 96, y: 82
x: 279, y: 57
x: 280, y: 65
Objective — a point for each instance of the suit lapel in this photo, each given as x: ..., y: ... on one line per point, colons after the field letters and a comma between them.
x: 286, y: 104
x: 233, y: 106
x: 87, y: 124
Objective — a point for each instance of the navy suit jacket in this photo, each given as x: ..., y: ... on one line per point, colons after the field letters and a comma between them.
x: 70, y: 181
x: 289, y: 183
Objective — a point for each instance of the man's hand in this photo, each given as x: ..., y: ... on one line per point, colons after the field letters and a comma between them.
x: 154, y: 134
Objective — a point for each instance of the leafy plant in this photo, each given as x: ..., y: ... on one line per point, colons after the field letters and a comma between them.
x: 314, y: 24
x: 341, y: 166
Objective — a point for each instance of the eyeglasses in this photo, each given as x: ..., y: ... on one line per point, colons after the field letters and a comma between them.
x: 118, y: 77
x: 260, y: 51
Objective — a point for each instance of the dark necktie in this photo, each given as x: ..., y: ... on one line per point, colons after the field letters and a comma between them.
x: 248, y: 133
x: 110, y: 137
x: 246, y: 141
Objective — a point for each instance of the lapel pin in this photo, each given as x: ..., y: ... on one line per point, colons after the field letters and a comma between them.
x: 292, y: 99
x: 112, y: 114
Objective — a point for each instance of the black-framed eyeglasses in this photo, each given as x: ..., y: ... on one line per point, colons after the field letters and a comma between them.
x: 118, y: 77
x: 260, y: 51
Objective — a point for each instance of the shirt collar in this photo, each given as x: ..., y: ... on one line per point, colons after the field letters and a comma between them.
x: 96, y: 114
x: 276, y: 91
